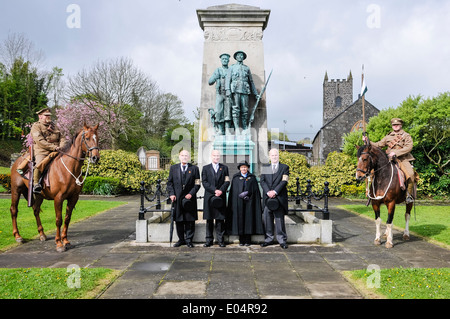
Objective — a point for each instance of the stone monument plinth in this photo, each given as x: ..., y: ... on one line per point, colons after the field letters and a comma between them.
x: 228, y: 29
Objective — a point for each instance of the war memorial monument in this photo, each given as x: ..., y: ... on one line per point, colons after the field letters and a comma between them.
x: 233, y: 117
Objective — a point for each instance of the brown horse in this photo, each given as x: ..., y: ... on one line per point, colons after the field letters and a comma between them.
x: 383, y: 189
x: 63, y: 174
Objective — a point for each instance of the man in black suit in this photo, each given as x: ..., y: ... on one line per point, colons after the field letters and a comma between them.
x: 215, y: 180
x: 274, y: 179
x: 183, y: 185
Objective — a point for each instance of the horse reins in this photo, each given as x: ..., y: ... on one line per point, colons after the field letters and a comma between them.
x: 367, y: 175
x: 80, y: 159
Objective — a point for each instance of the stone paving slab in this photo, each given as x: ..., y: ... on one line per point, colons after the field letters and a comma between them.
x: 157, y: 271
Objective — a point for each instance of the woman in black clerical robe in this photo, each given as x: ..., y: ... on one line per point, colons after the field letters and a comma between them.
x: 244, y: 206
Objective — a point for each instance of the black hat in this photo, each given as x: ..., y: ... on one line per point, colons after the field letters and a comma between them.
x: 216, y: 202
x: 188, y: 204
x: 243, y: 163
x: 273, y: 203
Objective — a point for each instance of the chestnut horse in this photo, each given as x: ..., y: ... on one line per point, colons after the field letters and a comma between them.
x: 63, y: 174
x: 383, y: 189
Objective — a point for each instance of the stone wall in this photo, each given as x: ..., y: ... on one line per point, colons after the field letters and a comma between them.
x: 332, y: 90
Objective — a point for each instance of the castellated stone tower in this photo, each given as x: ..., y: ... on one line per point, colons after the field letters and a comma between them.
x: 337, y: 96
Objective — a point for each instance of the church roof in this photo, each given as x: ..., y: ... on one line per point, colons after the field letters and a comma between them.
x: 367, y: 103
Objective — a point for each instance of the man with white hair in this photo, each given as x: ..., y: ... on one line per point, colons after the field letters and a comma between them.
x: 274, y: 179
x: 183, y: 185
x: 215, y: 180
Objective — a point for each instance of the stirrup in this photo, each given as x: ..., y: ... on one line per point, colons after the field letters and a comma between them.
x: 37, y: 189
x: 409, y: 199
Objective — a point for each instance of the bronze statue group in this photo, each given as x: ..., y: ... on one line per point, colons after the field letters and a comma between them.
x: 244, y: 214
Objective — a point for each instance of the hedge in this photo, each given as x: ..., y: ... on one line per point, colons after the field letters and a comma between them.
x: 5, y: 181
x: 339, y: 170
x: 96, y: 185
x: 126, y: 168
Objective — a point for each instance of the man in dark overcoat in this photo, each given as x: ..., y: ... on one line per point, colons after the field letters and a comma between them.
x: 244, y: 215
x: 274, y: 179
x: 215, y: 180
x: 183, y: 185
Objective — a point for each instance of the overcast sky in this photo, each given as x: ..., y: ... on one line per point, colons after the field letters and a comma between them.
x: 403, y: 44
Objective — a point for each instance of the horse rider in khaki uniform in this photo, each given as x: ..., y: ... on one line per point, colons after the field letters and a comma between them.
x: 400, y: 144
x: 47, y: 139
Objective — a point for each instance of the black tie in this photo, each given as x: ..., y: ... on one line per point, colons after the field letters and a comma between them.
x: 184, y: 174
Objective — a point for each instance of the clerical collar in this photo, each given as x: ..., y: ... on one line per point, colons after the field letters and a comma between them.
x: 244, y: 175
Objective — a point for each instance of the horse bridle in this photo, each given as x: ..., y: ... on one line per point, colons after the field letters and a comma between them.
x: 366, y: 173
x: 89, y: 149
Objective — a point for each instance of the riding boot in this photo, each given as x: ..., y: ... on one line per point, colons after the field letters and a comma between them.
x: 37, y: 187
x: 410, y: 192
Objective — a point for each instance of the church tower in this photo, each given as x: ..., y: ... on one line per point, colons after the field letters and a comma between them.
x: 337, y: 96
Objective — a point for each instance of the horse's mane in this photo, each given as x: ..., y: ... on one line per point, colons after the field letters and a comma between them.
x: 375, y: 149
x: 66, y: 147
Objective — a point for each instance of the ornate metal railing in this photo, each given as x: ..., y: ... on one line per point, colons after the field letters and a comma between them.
x: 308, y: 195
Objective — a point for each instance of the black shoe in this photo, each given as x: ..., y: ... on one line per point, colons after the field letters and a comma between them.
x: 37, y: 189
x: 179, y: 243
x: 207, y: 245
x: 265, y: 244
x: 190, y: 245
x: 284, y: 246
x: 222, y: 245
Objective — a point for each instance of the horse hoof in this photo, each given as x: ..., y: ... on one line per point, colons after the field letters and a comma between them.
x: 67, y: 246
x: 377, y: 242
x: 389, y: 245
x: 42, y: 238
x: 19, y: 240
x: 60, y: 249
x: 406, y: 237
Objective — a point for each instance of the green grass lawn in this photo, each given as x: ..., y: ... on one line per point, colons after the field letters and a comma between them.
x: 54, y: 283
x: 403, y: 283
x: 27, y: 223
x: 431, y: 222
x: 50, y: 283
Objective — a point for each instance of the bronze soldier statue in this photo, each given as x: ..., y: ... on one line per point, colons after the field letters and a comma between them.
x: 222, y: 113
x: 239, y: 85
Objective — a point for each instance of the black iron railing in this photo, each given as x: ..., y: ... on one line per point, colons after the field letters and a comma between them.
x: 160, y: 195
x: 308, y: 195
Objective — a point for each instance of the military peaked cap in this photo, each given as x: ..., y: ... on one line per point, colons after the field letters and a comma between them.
x: 44, y: 111
x: 396, y: 121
